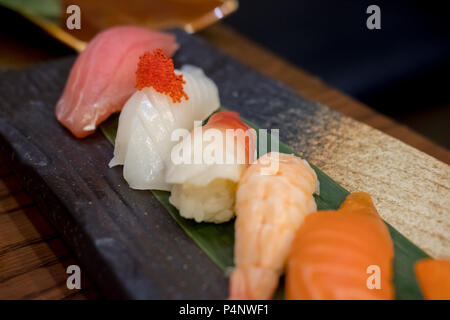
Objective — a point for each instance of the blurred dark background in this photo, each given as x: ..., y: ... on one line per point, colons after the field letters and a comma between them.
x: 401, y: 70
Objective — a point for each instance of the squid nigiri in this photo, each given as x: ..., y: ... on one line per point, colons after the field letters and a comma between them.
x: 103, y: 76
x: 434, y: 278
x: 168, y: 99
x: 345, y: 254
x: 271, y: 204
x: 205, y: 191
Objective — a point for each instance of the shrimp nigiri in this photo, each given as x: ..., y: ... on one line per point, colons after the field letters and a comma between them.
x: 168, y: 99
x: 274, y: 196
x: 434, y: 278
x: 103, y: 76
x: 205, y: 191
x: 342, y: 255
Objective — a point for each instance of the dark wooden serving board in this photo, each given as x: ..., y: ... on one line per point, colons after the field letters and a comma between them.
x: 124, y: 238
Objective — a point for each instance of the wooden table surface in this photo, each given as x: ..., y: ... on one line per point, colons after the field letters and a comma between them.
x: 33, y: 258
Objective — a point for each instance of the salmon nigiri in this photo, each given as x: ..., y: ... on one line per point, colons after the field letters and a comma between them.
x: 344, y: 254
x: 206, y: 190
x: 434, y: 278
x: 103, y: 76
x: 274, y: 196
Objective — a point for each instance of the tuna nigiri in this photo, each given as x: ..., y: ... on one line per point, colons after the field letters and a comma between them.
x: 269, y: 209
x: 205, y: 191
x: 343, y: 254
x: 434, y: 278
x: 103, y: 76
x: 168, y: 100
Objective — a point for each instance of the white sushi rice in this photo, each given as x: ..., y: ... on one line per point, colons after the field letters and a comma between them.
x: 213, y: 202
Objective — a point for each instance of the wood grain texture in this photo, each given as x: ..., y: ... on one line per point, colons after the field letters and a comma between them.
x: 26, y: 227
x: 33, y: 259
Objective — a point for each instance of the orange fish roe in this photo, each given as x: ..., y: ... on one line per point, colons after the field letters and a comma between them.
x: 156, y: 70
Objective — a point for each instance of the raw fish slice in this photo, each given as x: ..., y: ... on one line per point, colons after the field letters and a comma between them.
x: 199, y: 87
x: 434, y: 278
x: 141, y: 153
x: 162, y: 105
x: 336, y: 255
x: 152, y: 120
x: 127, y: 127
x: 136, y: 141
x: 103, y: 76
x: 181, y: 121
x: 206, y: 91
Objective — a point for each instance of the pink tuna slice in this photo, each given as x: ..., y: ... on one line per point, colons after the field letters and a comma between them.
x: 104, y: 76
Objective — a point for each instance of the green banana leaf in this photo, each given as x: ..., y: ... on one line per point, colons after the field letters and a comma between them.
x: 48, y: 9
x: 217, y: 240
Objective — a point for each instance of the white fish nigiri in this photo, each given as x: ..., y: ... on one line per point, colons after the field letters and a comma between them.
x: 210, y: 163
x: 143, y: 142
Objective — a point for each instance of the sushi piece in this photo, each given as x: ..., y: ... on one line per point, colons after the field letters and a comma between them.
x: 168, y: 100
x: 103, y: 76
x: 273, y: 198
x: 434, y: 278
x: 206, y: 190
x: 344, y: 254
